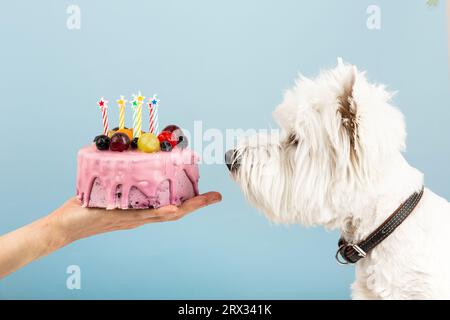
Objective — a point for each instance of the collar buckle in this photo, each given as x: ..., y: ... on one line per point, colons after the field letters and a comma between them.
x: 342, y: 256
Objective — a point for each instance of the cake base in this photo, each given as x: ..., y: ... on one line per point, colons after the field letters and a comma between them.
x: 135, y: 180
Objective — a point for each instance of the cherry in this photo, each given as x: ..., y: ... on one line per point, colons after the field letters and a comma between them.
x: 119, y: 142
x: 171, y: 128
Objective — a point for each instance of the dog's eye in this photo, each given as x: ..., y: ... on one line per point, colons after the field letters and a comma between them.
x: 292, y: 140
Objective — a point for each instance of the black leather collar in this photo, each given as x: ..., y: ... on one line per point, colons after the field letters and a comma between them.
x: 350, y: 252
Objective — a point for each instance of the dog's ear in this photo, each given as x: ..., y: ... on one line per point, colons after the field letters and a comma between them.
x: 347, y: 107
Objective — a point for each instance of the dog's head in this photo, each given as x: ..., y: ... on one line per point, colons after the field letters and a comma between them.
x: 338, y: 133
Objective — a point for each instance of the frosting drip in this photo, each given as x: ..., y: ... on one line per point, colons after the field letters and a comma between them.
x: 133, y: 169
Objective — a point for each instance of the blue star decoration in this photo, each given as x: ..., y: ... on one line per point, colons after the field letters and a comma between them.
x: 155, y: 101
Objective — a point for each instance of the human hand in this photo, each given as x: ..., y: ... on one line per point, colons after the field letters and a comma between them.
x: 71, y: 222
x: 74, y: 222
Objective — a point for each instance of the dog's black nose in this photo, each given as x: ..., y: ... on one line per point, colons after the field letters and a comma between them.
x: 231, y: 161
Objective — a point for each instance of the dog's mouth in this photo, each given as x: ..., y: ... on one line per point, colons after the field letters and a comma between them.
x: 232, y: 160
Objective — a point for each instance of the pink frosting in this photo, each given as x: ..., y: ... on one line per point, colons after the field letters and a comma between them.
x: 132, y: 171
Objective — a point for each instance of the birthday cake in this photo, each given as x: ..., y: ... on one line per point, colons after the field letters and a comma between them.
x: 131, y: 169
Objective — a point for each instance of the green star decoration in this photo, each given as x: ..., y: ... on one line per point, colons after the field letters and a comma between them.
x: 432, y: 3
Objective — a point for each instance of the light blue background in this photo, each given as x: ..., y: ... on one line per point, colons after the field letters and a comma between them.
x: 222, y: 62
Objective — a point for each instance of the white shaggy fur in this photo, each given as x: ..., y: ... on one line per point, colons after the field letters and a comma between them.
x: 338, y: 163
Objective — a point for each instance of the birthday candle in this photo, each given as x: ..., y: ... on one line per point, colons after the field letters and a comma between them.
x: 151, y: 113
x: 153, y: 109
x: 137, y: 114
x: 121, y: 102
x: 103, y: 104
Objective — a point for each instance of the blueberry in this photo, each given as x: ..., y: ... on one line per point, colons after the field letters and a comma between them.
x: 97, y: 137
x: 102, y: 142
x: 134, y: 143
x: 165, y: 146
x: 182, y: 142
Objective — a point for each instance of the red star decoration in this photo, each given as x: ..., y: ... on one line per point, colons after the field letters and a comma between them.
x: 101, y: 103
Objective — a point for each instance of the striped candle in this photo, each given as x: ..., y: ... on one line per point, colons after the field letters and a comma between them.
x: 153, y: 109
x: 151, y: 121
x: 140, y: 101
x: 103, y: 104
x: 121, y: 102
x: 139, y: 121
x: 137, y: 118
x: 137, y: 114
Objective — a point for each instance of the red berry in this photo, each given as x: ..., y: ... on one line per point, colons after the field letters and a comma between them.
x: 168, y: 136
x: 119, y: 142
x: 171, y: 128
x: 179, y: 135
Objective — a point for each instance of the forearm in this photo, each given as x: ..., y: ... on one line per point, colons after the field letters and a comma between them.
x: 28, y: 243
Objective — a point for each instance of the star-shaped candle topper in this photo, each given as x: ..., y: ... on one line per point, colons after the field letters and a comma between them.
x: 140, y: 98
x: 155, y: 101
x: 121, y: 102
x: 102, y: 103
x: 133, y: 101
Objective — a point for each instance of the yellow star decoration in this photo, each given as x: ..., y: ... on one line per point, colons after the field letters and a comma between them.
x: 121, y: 102
x: 140, y: 98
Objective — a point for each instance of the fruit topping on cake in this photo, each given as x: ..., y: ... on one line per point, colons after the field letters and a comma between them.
x: 121, y: 138
x: 134, y: 143
x: 149, y: 143
x: 102, y: 142
x: 119, y: 142
x: 177, y: 135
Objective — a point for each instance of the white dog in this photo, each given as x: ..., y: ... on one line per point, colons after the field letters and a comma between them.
x: 338, y: 163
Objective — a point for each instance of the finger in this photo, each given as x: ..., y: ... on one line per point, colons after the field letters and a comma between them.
x: 190, y: 205
x: 166, y: 213
x: 200, y: 201
x: 197, y: 202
